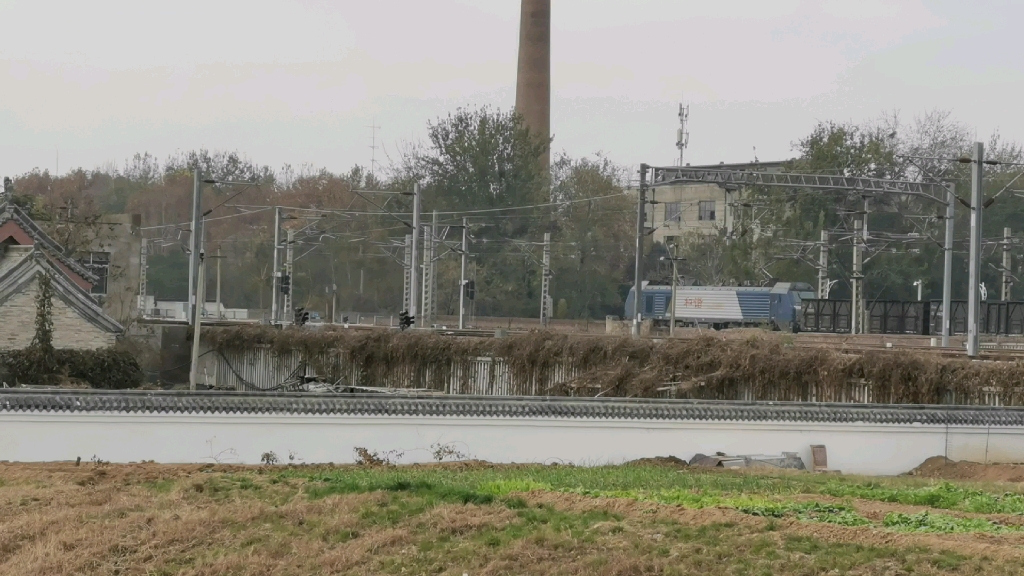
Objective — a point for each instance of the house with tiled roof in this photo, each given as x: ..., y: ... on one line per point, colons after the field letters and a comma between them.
x: 28, y: 253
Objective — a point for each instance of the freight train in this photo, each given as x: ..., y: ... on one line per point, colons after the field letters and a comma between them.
x: 778, y: 307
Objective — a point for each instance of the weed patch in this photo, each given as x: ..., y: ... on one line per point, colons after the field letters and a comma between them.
x: 941, y: 524
x: 944, y: 495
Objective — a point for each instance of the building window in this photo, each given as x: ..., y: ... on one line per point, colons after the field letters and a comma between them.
x: 673, y: 211
x: 99, y: 264
x: 706, y: 210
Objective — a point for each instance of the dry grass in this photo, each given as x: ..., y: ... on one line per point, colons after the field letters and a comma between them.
x: 709, y: 367
x: 203, y: 520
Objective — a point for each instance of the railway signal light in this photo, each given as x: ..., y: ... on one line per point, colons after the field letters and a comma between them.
x: 301, y: 316
x: 470, y: 289
x: 286, y: 283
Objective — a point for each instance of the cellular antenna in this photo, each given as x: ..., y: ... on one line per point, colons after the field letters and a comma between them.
x: 682, y: 135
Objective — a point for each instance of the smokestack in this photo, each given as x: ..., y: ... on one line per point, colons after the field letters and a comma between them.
x: 533, y: 84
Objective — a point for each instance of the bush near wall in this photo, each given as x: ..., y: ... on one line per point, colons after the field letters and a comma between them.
x: 108, y: 368
x: 41, y: 363
x: 758, y: 368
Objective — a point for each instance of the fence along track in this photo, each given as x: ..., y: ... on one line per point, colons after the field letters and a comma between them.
x: 261, y: 369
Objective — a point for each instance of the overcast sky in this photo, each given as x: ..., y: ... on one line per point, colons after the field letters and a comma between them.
x: 303, y: 81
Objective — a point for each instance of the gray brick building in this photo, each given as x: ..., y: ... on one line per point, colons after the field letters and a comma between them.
x: 28, y: 253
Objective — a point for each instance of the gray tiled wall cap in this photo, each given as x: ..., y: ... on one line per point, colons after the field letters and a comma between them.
x: 161, y: 402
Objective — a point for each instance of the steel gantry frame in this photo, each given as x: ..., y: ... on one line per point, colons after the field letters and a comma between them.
x: 940, y: 193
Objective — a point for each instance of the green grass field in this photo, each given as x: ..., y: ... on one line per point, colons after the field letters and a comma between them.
x: 481, y: 519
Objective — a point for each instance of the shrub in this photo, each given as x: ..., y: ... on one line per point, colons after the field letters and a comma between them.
x: 107, y: 368
x: 41, y: 363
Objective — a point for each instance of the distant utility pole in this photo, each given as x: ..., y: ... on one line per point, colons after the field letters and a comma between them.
x: 426, y: 315
x: 857, y: 280
x: 823, y: 267
x: 974, y: 281
x: 276, y: 272
x: 194, y: 243
x: 414, y: 263
x: 193, y: 375
x: 289, y: 261
x: 334, y: 303
x: 142, y: 277
x: 462, y: 282
x: 406, y: 272
x: 947, y: 273
x: 435, y: 232
x: 545, y: 283
x: 1007, y: 263
x: 219, y: 315
x: 639, y: 269
x: 675, y: 283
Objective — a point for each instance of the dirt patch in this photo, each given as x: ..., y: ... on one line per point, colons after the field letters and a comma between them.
x: 669, y: 461
x: 941, y: 467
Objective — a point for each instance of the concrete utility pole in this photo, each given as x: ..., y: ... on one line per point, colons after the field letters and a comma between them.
x: 193, y: 375
x: 863, y: 303
x: 334, y: 303
x: 414, y: 261
x: 462, y: 282
x: 823, y: 267
x: 276, y: 272
x: 194, y: 242
x: 672, y: 304
x: 856, y: 280
x: 289, y: 253
x: 406, y: 271
x: 219, y: 314
x: 920, y: 289
x: 533, y: 80
x: 435, y: 232
x: 428, y: 277
x: 973, y: 288
x: 639, y: 270
x: 545, y: 283
x: 947, y: 270
x: 142, y: 278
x: 1007, y: 263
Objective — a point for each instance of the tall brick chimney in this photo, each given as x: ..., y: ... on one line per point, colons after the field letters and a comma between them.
x: 533, y: 83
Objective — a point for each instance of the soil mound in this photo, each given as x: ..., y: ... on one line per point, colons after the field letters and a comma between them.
x: 941, y: 467
x: 670, y: 461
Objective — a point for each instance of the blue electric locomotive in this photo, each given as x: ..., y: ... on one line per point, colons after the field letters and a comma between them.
x: 723, y: 307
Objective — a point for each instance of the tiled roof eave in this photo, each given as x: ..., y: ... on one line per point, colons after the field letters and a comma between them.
x: 150, y: 402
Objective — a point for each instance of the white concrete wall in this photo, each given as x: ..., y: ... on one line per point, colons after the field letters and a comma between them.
x: 856, y: 448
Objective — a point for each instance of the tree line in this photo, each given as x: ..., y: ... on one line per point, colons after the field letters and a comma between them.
x: 481, y: 165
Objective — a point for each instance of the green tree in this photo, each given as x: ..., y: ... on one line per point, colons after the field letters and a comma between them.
x: 482, y: 161
x: 594, y: 224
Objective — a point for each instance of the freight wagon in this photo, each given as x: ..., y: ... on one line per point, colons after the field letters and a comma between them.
x: 721, y: 307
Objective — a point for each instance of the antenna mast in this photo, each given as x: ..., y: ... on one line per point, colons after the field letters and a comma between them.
x: 682, y: 135
x: 373, y: 145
